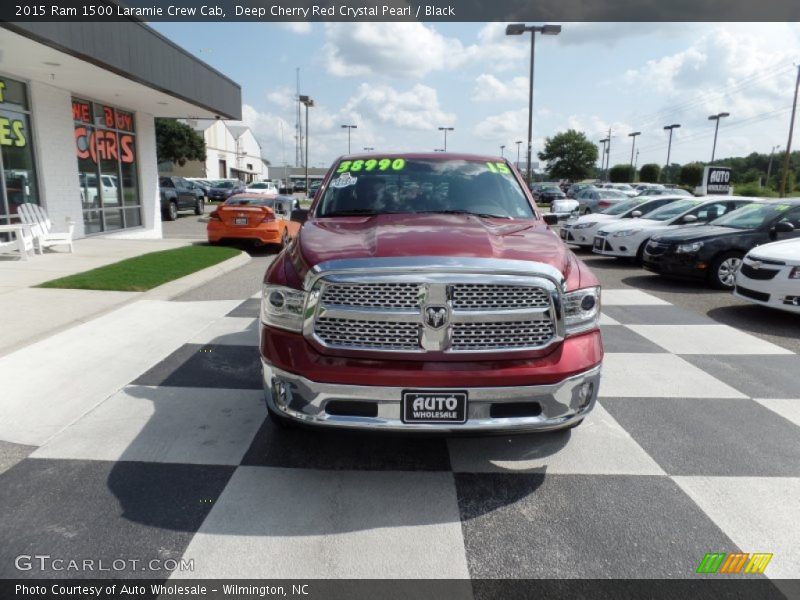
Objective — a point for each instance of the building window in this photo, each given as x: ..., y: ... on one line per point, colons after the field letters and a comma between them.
x: 17, y: 166
x: 105, y: 144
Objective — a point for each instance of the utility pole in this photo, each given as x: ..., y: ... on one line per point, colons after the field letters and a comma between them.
x: 633, y: 145
x: 603, y: 157
x: 789, y: 143
x: 298, y: 127
x: 608, y: 153
x: 769, y: 165
x: 669, y: 144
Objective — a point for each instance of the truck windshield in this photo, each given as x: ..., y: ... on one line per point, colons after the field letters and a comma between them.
x: 379, y: 185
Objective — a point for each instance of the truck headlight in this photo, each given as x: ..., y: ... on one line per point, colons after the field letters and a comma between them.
x: 283, y: 307
x: 688, y: 248
x: 581, y: 310
x: 625, y: 233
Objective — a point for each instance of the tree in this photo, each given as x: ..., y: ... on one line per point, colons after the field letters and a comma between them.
x: 178, y: 143
x: 691, y: 174
x: 569, y: 155
x: 621, y: 174
x: 649, y: 173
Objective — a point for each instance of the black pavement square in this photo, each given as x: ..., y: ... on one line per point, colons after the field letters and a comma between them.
x: 618, y: 338
x: 708, y: 436
x: 306, y: 448
x: 209, y: 366
x: 655, y: 315
x: 249, y: 308
x: 756, y: 375
x: 80, y: 509
x: 582, y: 526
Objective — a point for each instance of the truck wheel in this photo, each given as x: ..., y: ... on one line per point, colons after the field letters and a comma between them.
x: 172, y: 212
x: 198, y: 208
x: 723, y: 270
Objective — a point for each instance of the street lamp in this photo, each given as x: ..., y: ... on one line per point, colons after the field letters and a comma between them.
x: 368, y: 148
x: 604, y: 141
x: 348, y: 127
x: 438, y: 149
x: 716, y: 118
x: 445, y: 129
x: 502, y: 151
x: 518, y: 142
x: 633, y: 145
x: 519, y: 29
x: 669, y: 144
x: 306, y: 101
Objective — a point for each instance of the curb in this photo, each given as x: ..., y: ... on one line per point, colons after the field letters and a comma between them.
x: 165, y: 291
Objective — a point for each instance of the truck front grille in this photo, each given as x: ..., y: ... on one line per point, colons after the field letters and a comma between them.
x: 424, y: 316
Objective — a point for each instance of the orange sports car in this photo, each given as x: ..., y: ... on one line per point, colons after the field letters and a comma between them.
x: 257, y: 217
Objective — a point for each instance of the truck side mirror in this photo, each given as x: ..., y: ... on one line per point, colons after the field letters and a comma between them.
x: 300, y: 215
x: 550, y: 218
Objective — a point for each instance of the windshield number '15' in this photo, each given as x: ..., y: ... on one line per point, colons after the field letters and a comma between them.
x: 498, y: 167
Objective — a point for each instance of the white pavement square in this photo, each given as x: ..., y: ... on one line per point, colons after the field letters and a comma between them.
x: 599, y: 446
x: 758, y: 513
x: 297, y: 523
x: 627, y: 297
x: 606, y: 320
x: 236, y: 331
x: 630, y: 375
x: 706, y: 339
x: 166, y: 425
x: 50, y: 384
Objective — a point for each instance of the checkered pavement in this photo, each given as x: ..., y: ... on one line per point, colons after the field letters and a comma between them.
x: 145, y: 437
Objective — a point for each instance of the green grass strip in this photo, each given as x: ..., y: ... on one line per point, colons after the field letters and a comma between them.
x: 145, y: 272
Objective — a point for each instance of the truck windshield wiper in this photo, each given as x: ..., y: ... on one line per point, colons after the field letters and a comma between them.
x: 464, y: 212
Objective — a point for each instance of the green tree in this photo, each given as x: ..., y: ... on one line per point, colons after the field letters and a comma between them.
x: 691, y: 174
x: 178, y: 143
x: 649, y: 173
x: 621, y: 174
x: 569, y: 155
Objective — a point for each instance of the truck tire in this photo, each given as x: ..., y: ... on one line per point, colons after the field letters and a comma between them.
x: 723, y: 269
x: 172, y: 211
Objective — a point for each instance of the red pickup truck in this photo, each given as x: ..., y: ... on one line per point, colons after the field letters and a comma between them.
x: 428, y: 292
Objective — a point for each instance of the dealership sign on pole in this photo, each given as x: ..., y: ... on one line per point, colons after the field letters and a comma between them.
x: 716, y: 181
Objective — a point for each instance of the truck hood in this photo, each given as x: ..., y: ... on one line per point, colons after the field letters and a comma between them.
x: 696, y: 233
x: 382, y: 236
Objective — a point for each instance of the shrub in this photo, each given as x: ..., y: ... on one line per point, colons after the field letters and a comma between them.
x: 649, y: 173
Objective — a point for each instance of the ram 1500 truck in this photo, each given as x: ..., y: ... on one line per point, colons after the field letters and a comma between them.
x: 428, y: 292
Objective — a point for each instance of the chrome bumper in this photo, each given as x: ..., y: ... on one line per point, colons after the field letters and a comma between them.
x: 304, y: 400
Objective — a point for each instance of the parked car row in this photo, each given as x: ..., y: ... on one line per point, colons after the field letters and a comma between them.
x: 749, y: 245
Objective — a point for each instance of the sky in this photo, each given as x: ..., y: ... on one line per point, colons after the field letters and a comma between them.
x: 400, y: 82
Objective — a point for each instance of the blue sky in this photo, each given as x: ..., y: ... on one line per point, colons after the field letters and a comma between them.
x: 400, y: 81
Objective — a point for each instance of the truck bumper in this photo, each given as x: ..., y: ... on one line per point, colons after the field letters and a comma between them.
x: 539, y: 407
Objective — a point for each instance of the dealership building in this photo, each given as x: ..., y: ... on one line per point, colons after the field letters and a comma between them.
x: 77, y: 108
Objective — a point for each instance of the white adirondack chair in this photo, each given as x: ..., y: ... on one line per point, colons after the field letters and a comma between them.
x: 41, y: 227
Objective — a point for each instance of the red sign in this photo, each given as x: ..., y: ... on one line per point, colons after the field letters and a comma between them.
x: 81, y: 111
x: 104, y: 145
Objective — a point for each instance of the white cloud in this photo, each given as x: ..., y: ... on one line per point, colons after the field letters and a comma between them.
x: 417, y: 108
x: 284, y: 97
x: 489, y: 88
x: 300, y: 27
x: 503, y: 126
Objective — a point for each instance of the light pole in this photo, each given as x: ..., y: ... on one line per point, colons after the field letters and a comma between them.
x: 518, y: 142
x: 769, y: 165
x: 519, y: 29
x: 348, y: 127
x: 445, y: 129
x: 306, y: 101
x: 716, y: 118
x: 604, y: 141
x: 502, y: 151
x: 438, y: 149
x: 633, y: 145
x: 368, y: 148
x: 669, y: 144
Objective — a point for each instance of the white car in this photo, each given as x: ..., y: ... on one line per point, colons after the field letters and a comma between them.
x: 770, y: 276
x: 563, y: 207
x: 581, y: 231
x: 627, y: 239
x: 262, y: 187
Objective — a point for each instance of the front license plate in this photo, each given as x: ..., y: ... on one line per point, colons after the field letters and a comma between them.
x: 434, y: 406
x: 598, y: 243
x: 240, y: 221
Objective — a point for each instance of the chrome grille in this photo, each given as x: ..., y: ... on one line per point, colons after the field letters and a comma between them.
x: 368, y: 335
x: 494, y: 336
x: 492, y: 297
x: 514, y: 314
x: 372, y: 295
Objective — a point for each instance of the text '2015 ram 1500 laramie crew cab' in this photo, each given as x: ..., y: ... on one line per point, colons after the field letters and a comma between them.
x: 427, y: 292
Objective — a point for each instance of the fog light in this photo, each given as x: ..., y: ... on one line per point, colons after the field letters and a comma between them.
x: 585, y: 393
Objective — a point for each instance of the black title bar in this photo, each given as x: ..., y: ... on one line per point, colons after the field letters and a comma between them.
x: 400, y: 10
